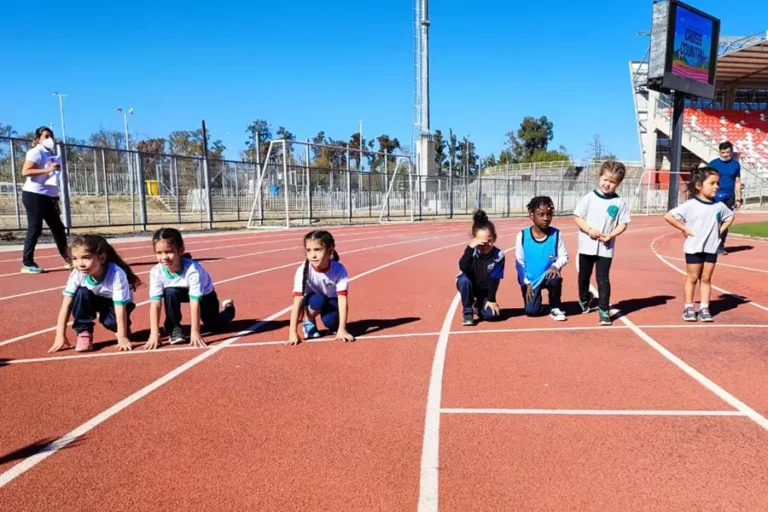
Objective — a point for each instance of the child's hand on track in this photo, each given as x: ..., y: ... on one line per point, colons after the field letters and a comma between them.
x: 123, y: 343
x: 494, y: 307
x: 59, y: 343
x: 195, y: 340
x: 152, y: 343
x: 342, y: 334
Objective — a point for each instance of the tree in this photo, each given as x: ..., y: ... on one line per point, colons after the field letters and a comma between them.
x: 386, y: 143
x: 533, y: 135
x: 261, y: 128
x: 283, y: 133
x: 6, y: 130
x: 467, y: 156
x: 453, y: 149
x: 543, y: 155
x: 441, y: 158
x: 111, y: 139
x: 152, y: 146
x: 190, y: 143
x: 490, y: 161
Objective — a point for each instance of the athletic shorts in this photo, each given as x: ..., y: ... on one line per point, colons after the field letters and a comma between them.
x: 700, y: 257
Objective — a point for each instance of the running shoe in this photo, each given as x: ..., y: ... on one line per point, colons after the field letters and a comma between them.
x: 84, y: 342
x: 310, y: 330
x: 705, y: 315
x: 228, y: 309
x: 605, y: 317
x: 586, y: 307
x: 689, y: 315
x: 557, y: 315
x: 177, y: 336
x: 469, y: 319
x: 31, y: 269
x: 722, y: 251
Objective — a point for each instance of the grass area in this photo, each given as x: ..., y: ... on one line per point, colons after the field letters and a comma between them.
x: 751, y: 229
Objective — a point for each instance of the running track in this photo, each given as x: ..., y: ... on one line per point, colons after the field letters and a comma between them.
x: 419, y: 413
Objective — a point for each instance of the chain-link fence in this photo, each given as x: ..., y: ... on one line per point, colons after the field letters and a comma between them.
x: 301, y: 183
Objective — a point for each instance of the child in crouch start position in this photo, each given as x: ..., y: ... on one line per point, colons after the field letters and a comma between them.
x: 101, y: 284
x: 320, y: 289
x: 601, y: 216
x: 177, y: 278
x: 703, y: 222
x: 482, y: 269
x: 541, y: 255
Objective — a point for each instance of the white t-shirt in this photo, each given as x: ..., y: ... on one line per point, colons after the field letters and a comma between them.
x: 704, y: 219
x: 45, y: 184
x: 113, y: 285
x: 330, y: 283
x: 604, y: 213
x: 192, y: 276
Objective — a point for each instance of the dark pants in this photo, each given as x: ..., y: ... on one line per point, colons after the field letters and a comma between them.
x: 730, y: 203
x: 327, y: 308
x: 86, y: 305
x: 42, y: 208
x: 210, y: 316
x: 553, y: 285
x: 471, y: 296
x: 586, y: 262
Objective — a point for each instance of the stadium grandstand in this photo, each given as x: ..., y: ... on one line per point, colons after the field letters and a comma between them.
x: 738, y: 113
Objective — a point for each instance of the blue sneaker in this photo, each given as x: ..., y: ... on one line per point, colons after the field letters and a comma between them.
x: 31, y: 269
x: 310, y: 330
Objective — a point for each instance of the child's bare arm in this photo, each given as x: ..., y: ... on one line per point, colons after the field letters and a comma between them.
x: 674, y: 221
x: 61, y: 325
x: 342, y: 333
x: 585, y: 228
x: 293, y: 333
x: 121, y: 315
x: 195, y: 339
x: 154, y: 325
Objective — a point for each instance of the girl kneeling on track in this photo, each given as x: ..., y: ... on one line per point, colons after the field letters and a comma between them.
x: 703, y: 222
x: 178, y: 278
x: 482, y: 269
x: 320, y: 289
x: 101, y: 283
x: 541, y: 255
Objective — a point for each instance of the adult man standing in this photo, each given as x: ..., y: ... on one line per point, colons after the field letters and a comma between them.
x: 730, y: 183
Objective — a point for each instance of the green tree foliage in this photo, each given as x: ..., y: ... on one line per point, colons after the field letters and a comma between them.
x: 261, y: 128
x: 7, y: 130
x: 441, y: 157
x: 190, y: 143
x: 532, y: 136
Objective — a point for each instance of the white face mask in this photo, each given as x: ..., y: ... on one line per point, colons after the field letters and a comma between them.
x: 48, y: 144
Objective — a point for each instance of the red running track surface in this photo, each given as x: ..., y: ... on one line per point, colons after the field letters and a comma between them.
x: 420, y: 412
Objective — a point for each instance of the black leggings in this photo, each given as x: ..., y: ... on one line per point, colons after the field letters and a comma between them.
x: 42, y: 208
x: 586, y: 262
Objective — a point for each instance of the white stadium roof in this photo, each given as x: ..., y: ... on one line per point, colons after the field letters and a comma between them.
x: 743, y: 61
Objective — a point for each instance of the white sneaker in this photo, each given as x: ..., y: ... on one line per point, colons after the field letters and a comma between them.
x: 557, y: 315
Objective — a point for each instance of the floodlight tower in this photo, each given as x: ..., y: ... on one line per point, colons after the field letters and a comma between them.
x: 425, y: 150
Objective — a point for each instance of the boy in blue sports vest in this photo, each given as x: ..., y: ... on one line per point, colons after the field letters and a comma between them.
x: 541, y: 255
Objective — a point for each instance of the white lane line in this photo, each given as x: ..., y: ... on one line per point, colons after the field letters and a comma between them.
x: 97, y: 420
x: 430, y: 454
x: 746, y: 300
x: 721, y: 264
x: 590, y: 412
x: 689, y: 370
x: 476, y: 332
x: 165, y: 349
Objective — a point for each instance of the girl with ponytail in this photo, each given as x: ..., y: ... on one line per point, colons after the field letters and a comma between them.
x: 320, y: 289
x: 101, y: 284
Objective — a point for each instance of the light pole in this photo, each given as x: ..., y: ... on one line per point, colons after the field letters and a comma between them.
x: 125, y: 125
x: 130, y: 160
x: 61, y: 112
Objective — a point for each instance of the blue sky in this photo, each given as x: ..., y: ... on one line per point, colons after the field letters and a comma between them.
x: 314, y: 66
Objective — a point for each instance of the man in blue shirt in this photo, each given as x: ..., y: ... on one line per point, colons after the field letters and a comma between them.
x: 730, y: 183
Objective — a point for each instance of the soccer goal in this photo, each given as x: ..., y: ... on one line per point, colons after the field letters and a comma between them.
x: 401, y: 195
x: 257, y: 216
